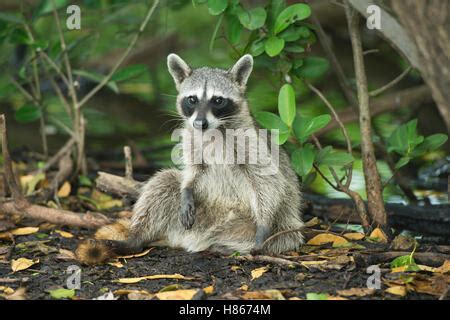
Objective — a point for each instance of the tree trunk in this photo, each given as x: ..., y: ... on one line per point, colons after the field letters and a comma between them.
x: 427, y: 23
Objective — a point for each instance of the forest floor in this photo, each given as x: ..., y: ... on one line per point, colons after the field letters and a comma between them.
x: 37, y: 261
x: 317, y: 272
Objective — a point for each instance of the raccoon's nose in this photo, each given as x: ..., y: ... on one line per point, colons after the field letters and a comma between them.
x: 200, y: 124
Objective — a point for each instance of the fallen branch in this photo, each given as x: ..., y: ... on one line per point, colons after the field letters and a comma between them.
x: 268, y: 259
x: 89, y: 220
x: 20, y: 205
x: 118, y: 186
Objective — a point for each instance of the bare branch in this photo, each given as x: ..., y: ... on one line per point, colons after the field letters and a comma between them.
x: 389, y: 85
x: 342, y: 79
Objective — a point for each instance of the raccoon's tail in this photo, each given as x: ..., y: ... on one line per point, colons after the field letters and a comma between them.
x: 110, y: 241
x: 94, y: 251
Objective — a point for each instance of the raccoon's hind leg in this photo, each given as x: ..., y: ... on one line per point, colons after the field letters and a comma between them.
x: 157, y: 208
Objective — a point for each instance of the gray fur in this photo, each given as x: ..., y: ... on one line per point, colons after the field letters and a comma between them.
x: 234, y: 208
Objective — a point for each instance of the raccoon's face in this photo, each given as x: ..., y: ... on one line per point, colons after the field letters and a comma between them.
x: 208, y: 97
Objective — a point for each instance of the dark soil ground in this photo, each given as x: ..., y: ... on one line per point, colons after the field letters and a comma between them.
x: 226, y: 274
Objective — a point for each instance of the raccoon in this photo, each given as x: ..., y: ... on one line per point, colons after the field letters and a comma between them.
x: 223, y: 207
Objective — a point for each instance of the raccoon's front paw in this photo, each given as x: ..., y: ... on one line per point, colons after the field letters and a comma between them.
x: 187, y: 214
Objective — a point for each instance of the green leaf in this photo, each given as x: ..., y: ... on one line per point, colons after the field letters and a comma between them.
x: 290, y: 15
x: 302, y: 160
x: 329, y: 157
x: 216, y: 7
x: 28, y: 113
x: 84, y: 181
x: 257, y: 47
x: 273, y: 122
x: 402, y: 162
x: 295, y: 49
x: 316, y: 296
x: 402, y: 261
x: 252, y: 19
x: 290, y: 34
x: 129, y: 72
x: 405, y: 138
x: 274, y: 46
x: 46, y: 6
x: 310, y: 177
x: 430, y: 143
x: 286, y: 104
x: 306, y: 126
x: 97, y: 78
x: 234, y: 29
x: 313, y: 68
x: 62, y: 293
x: 19, y: 36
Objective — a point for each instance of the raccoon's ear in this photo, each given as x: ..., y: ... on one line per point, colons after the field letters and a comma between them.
x: 178, y: 69
x: 242, y: 69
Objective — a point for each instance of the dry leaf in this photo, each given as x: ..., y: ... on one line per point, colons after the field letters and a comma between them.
x: 153, y: 277
x: 65, y: 254
x: 22, y: 264
x: 311, y: 223
x: 436, y: 285
x: 354, y: 236
x: 258, y: 272
x: 324, y: 238
x: 184, y: 294
x: 122, y: 292
x: 24, y: 231
x: 445, y: 268
x: 235, y: 268
x: 209, y: 289
x: 397, y: 290
x: 356, y: 292
x: 244, y: 287
x: 19, y: 294
x: 116, y: 264
x: 64, y: 234
x: 295, y: 298
x: 137, y: 255
x: 336, y: 298
x: 7, y: 290
x: 380, y: 235
x: 403, y: 243
x: 64, y: 191
x: 140, y: 295
x: 263, y: 295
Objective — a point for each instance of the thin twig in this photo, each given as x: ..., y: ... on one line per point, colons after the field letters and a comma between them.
x: 128, y: 163
x: 342, y: 78
x: 52, y: 161
x: 392, y: 83
x: 341, y: 125
x: 283, y: 232
x: 106, y: 79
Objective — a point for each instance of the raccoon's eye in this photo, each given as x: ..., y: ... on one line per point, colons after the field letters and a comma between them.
x: 192, y: 100
x: 218, y: 101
